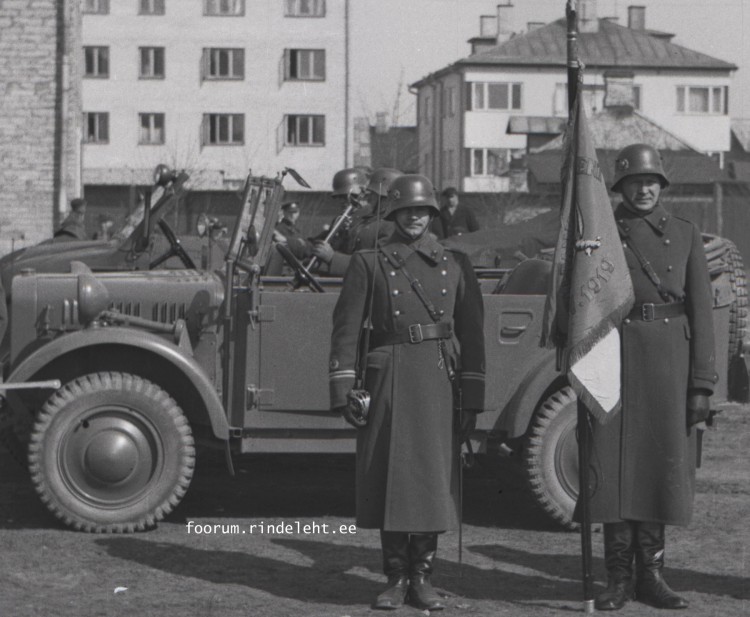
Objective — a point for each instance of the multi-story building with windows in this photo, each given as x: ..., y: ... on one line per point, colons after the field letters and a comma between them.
x: 216, y: 87
x: 478, y: 117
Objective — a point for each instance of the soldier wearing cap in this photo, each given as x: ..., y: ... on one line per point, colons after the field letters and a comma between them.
x: 643, y: 463
x: 454, y: 219
x: 287, y: 227
x: 406, y: 470
x: 368, y: 225
x: 73, y: 228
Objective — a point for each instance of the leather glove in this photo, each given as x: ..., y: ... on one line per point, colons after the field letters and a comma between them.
x: 346, y: 413
x: 323, y: 251
x: 698, y: 407
x: 468, y: 424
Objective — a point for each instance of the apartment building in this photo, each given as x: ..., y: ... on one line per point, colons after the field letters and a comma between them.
x: 215, y: 87
x: 478, y: 117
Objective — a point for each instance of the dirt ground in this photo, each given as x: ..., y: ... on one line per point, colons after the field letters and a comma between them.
x: 514, y: 561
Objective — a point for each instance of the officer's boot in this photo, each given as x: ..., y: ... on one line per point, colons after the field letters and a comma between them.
x: 650, y: 587
x: 422, y: 550
x: 395, y: 545
x: 619, y: 548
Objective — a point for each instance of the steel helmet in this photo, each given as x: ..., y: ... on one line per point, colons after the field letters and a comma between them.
x: 349, y: 180
x: 638, y: 159
x: 411, y: 191
x: 381, y: 179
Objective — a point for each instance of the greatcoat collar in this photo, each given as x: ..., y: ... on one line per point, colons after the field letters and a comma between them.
x: 426, y: 245
x: 657, y: 218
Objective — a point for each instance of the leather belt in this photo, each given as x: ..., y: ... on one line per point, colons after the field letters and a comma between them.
x: 415, y: 333
x: 650, y: 311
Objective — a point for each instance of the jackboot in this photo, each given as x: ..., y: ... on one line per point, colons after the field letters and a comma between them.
x: 619, y: 548
x: 422, y: 551
x: 650, y: 587
x: 395, y: 546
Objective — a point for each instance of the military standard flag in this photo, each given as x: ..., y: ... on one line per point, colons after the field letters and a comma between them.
x: 590, y: 290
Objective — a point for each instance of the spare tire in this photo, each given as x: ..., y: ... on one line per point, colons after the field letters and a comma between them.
x: 724, y: 258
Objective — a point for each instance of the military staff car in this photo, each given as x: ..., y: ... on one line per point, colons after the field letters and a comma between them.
x: 153, y: 362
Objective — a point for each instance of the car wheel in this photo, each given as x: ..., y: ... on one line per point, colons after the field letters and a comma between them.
x: 111, y: 452
x: 550, y: 459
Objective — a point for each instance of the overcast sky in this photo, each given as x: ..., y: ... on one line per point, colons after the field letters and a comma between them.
x: 399, y: 41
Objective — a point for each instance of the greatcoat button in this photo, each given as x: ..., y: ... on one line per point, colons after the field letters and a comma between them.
x: 666, y: 320
x: 444, y: 292
x: 444, y: 273
x: 396, y: 292
x: 669, y: 268
x: 396, y: 313
x: 667, y: 242
x: 441, y: 312
x: 627, y: 320
x: 393, y: 273
x: 624, y: 245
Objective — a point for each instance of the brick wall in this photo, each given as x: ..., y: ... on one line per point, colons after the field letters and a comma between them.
x: 40, y: 116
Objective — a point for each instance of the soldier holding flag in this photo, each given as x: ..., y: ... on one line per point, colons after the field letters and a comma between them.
x: 643, y: 463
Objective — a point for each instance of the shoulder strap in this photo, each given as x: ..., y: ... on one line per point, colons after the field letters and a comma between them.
x: 398, y: 262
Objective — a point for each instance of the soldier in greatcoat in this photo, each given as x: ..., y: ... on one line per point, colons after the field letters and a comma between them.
x: 406, y: 470
x: 643, y: 463
x: 367, y: 227
x: 300, y: 247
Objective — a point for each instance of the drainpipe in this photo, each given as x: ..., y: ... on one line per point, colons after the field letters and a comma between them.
x: 346, y: 83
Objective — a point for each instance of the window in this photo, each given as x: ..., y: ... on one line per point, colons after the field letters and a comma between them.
x: 96, y: 127
x: 232, y: 8
x: 427, y: 113
x: 488, y: 161
x: 449, y: 102
x: 305, y: 8
x: 223, y: 63
x: 96, y: 61
x: 703, y: 99
x: 305, y: 130
x: 152, y: 129
x: 152, y: 63
x: 97, y: 7
x: 151, y: 7
x: 304, y: 64
x: 427, y: 164
x: 495, y: 95
x: 223, y: 129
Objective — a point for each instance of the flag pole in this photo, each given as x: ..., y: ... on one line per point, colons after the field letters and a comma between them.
x: 584, y: 436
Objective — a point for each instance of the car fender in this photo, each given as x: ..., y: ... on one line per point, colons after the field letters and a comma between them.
x: 141, y: 340
x: 517, y: 414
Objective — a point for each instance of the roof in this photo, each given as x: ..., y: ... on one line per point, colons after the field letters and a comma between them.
x: 741, y: 130
x: 616, y: 127
x: 612, y: 46
x: 682, y: 167
x: 739, y: 170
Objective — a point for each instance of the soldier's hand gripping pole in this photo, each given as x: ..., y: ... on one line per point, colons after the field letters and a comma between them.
x: 344, y: 219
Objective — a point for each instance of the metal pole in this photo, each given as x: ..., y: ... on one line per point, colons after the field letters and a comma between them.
x: 583, y: 431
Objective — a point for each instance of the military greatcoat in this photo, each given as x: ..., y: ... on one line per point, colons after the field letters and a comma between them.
x: 643, y: 462
x: 406, y: 455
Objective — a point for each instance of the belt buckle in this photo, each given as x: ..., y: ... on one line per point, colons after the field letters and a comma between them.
x: 647, y: 311
x: 415, y: 333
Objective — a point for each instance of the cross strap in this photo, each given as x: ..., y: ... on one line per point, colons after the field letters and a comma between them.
x: 398, y: 263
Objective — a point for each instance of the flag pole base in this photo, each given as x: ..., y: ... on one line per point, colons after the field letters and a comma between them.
x: 588, y: 607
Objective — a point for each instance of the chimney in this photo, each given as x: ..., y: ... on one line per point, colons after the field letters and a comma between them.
x: 637, y: 17
x: 504, y: 22
x: 533, y: 25
x: 587, y: 20
x: 380, y: 122
x: 618, y: 90
x: 488, y: 26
